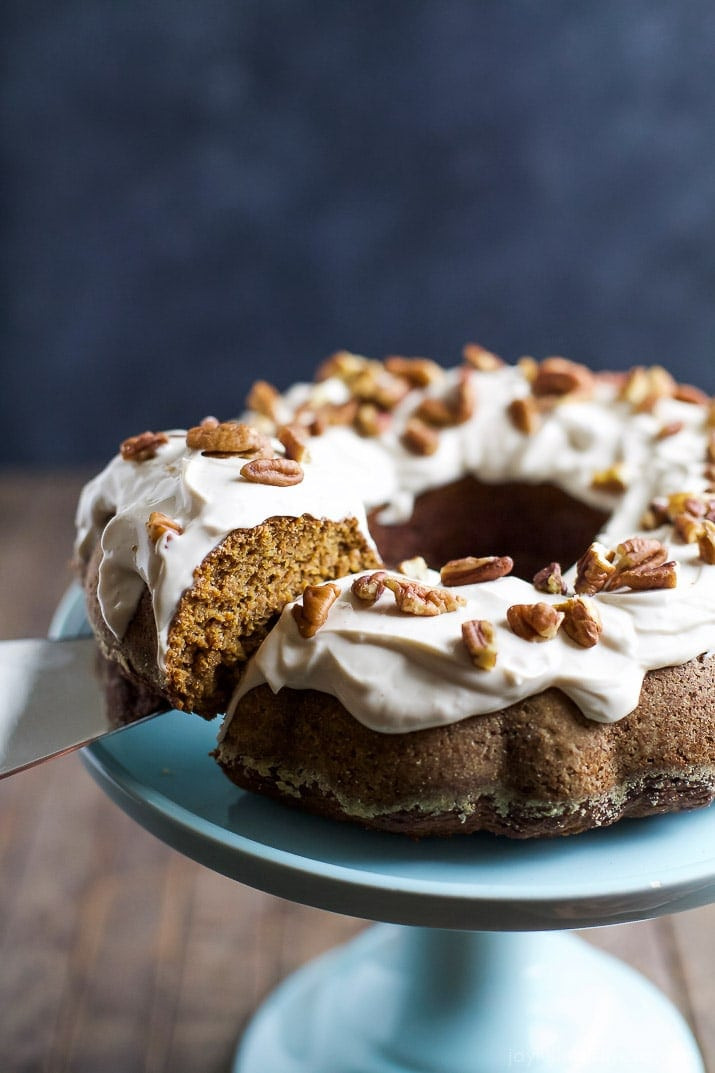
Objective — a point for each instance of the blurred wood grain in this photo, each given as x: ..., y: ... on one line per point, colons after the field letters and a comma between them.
x: 117, y: 953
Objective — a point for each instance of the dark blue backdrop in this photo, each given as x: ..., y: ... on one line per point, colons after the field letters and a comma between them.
x: 198, y: 193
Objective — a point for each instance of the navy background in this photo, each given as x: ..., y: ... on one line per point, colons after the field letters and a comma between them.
x: 195, y: 194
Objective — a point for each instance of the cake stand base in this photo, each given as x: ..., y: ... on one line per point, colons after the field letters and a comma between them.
x: 422, y: 1000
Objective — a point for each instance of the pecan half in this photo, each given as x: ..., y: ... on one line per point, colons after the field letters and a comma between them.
x: 534, y: 622
x: 637, y: 551
x: 559, y: 376
x: 293, y: 438
x: 593, y: 570
x: 159, y: 524
x: 414, y: 598
x: 645, y: 385
x: 706, y: 542
x: 264, y: 398
x: 549, y: 579
x: 317, y: 601
x: 582, y: 621
x: 640, y: 563
x: 478, y: 637
x: 525, y: 415
x: 471, y: 571
x: 369, y: 587
x: 454, y: 409
x: 480, y: 358
x: 142, y: 447
x: 228, y: 437
x: 638, y: 578
x: 419, y: 438
x: 280, y: 472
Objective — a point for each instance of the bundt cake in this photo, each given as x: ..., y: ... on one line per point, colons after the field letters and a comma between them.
x: 428, y: 667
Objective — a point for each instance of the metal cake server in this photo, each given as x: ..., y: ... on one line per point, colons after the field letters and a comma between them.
x: 51, y: 700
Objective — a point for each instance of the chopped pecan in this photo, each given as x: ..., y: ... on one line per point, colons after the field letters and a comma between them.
x: 593, y: 570
x: 638, y: 551
x: 293, y: 438
x: 317, y: 601
x: 559, y: 376
x: 209, y: 422
x: 671, y: 429
x: 640, y: 563
x: 228, y: 438
x: 525, y: 415
x: 688, y: 526
x: 342, y: 364
x: 369, y: 587
x: 711, y: 414
x: 416, y: 371
x: 415, y: 568
x: 656, y: 514
x: 142, y: 447
x: 280, y: 472
x: 159, y: 524
x: 478, y: 637
x: 472, y: 571
x: 534, y: 622
x: 264, y: 399
x: 529, y: 367
x: 550, y: 580
x: 644, y: 386
x: 614, y: 479
x: 706, y: 542
x: 370, y: 420
x: 582, y: 621
x: 480, y: 358
x: 416, y: 599
x: 419, y: 438
x: 375, y: 384
x: 691, y: 502
x: 454, y: 409
x: 693, y: 395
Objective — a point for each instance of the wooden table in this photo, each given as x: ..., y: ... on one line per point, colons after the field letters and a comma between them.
x: 118, y: 954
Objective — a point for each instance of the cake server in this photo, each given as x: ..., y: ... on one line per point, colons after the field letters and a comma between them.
x: 51, y: 700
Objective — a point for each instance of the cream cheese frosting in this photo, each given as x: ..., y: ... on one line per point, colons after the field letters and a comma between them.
x: 395, y: 672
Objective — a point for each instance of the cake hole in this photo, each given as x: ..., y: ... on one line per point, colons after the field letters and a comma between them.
x: 533, y: 523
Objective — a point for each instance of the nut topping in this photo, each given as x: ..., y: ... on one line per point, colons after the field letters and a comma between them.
x: 416, y: 568
x: 671, y: 429
x: 478, y: 637
x: 480, y: 358
x: 706, y: 542
x: 280, y: 472
x: 294, y: 441
x: 693, y: 395
x: 550, y: 580
x: 142, y: 447
x: 534, y: 622
x: 419, y: 372
x: 471, y: 571
x: 228, y: 437
x: 414, y: 598
x: 369, y: 587
x: 317, y: 601
x: 559, y: 376
x: 525, y: 415
x: 264, y: 399
x: 159, y: 524
x: 614, y: 479
x: 582, y: 621
x: 593, y: 570
x: 419, y: 438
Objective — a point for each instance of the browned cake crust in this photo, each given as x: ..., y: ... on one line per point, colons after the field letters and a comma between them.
x: 538, y: 768
x: 237, y: 594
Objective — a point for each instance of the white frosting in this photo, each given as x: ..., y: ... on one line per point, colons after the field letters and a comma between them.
x: 397, y: 672
x: 208, y: 498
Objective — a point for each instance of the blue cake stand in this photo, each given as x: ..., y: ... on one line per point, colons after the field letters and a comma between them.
x: 471, y: 969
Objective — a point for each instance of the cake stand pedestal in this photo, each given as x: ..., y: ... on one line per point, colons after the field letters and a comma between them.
x: 472, y: 970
